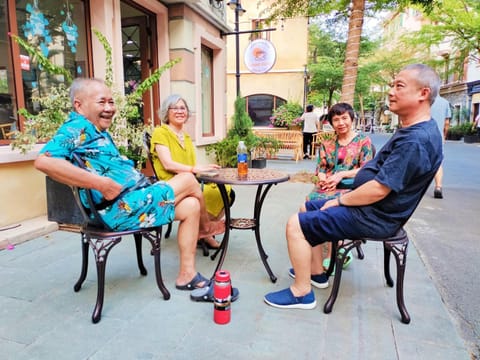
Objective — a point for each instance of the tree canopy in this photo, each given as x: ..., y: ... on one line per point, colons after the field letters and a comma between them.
x: 354, y: 10
x: 456, y: 22
x: 292, y: 8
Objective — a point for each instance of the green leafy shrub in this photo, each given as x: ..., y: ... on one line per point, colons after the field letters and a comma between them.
x: 225, y: 151
x: 242, y: 123
x: 56, y: 106
x: 468, y: 129
x: 458, y: 131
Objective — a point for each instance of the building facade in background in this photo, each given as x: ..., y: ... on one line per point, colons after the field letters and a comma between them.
x: 462, y: 90
x: 286, y: 79
x: 143, y: 34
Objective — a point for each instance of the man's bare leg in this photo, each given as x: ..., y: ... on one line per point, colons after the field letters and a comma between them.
x: 300, y: 253
x: 299, y: 295
x: 317, y: 255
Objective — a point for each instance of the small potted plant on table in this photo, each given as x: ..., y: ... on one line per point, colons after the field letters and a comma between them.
x: 225, y: 151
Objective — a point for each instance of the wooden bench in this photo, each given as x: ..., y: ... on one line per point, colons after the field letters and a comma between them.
x: 290, y: 140
x: 318, y: 138
x: 5, y: 131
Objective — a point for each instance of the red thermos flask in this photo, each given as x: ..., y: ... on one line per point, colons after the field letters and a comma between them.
x: 222, y: 291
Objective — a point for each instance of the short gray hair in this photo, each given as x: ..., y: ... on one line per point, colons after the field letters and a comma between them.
x: 170, y: 101
x: 80, y: 84
x: 426, y: 77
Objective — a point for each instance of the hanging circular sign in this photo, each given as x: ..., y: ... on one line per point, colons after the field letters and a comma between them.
x: 260, y: 56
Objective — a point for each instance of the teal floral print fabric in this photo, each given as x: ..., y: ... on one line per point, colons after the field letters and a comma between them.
x: 141, y: 205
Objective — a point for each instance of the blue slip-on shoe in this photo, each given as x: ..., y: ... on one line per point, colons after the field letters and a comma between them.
x: 284, y: 299
x: 320, y: 281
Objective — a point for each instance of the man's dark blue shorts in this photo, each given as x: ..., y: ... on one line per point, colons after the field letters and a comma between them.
x: 335, y: 223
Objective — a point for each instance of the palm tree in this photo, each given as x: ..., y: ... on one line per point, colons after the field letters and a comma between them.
x: 350, y: 67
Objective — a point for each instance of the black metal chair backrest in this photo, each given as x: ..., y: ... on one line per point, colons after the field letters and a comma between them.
x: 90, y: 213
x: 147, y: 141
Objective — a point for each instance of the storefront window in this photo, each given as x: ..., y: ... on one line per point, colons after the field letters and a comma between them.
x: 7, y: 103
x: 260, y: 108
x: 58, y: 31
x: 207, y: 91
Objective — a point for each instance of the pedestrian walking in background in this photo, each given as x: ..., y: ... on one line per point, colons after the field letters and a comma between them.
x: 441, y: 113
x: 477, y: 124
x: 311, y: 125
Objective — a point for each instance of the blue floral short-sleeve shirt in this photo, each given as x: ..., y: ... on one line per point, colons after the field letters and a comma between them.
x: 148, y: 205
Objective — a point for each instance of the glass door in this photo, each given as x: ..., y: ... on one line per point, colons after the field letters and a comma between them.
x: 139, y: 59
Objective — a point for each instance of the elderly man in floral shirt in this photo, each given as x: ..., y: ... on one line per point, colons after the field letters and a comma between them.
x: 123, y: 196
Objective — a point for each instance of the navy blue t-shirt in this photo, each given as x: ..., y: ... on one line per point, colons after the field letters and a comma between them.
x: 406, y: 164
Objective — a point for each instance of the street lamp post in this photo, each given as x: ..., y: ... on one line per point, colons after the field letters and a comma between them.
x: 236, y: 6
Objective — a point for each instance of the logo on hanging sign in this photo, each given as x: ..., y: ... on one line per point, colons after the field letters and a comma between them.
x: 260, y: 56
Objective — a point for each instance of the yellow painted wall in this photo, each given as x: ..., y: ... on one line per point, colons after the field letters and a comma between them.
x: 22, y: 190
x: 23, y: 195
x: 285, y: 85
x: 286, y: 78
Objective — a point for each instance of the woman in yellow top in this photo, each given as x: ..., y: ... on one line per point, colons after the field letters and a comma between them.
x: 173, y: 152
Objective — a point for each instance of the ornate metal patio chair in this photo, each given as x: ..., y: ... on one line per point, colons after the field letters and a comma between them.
x: 96, y: 234
x: 396, y: 244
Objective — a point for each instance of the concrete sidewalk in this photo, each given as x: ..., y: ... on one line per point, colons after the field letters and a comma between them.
x: 43, y: 318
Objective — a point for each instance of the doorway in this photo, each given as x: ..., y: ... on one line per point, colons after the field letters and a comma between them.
x: 140, y: 59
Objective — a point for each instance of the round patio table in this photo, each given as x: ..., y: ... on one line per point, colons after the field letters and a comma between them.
x: 263, y: 179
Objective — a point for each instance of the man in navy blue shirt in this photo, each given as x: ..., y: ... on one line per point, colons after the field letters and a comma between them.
x: 386, y: 190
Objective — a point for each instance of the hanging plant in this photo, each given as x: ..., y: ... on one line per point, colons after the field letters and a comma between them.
x: 43, y: 62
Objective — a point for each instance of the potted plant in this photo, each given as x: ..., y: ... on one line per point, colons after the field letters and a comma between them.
x: 455, y: 132
x: 263, y: 148
x: 55, y: 107
x: 225, y: 151
x: 470, y: 135
x: 288, y: 115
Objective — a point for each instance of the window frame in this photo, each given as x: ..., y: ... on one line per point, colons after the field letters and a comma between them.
x: 212, y: 92
x: 18, y: 98
x: 276, y: 102
x: 259, y: 24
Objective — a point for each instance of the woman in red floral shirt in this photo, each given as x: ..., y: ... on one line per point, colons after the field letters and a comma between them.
x: 338, y: 162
